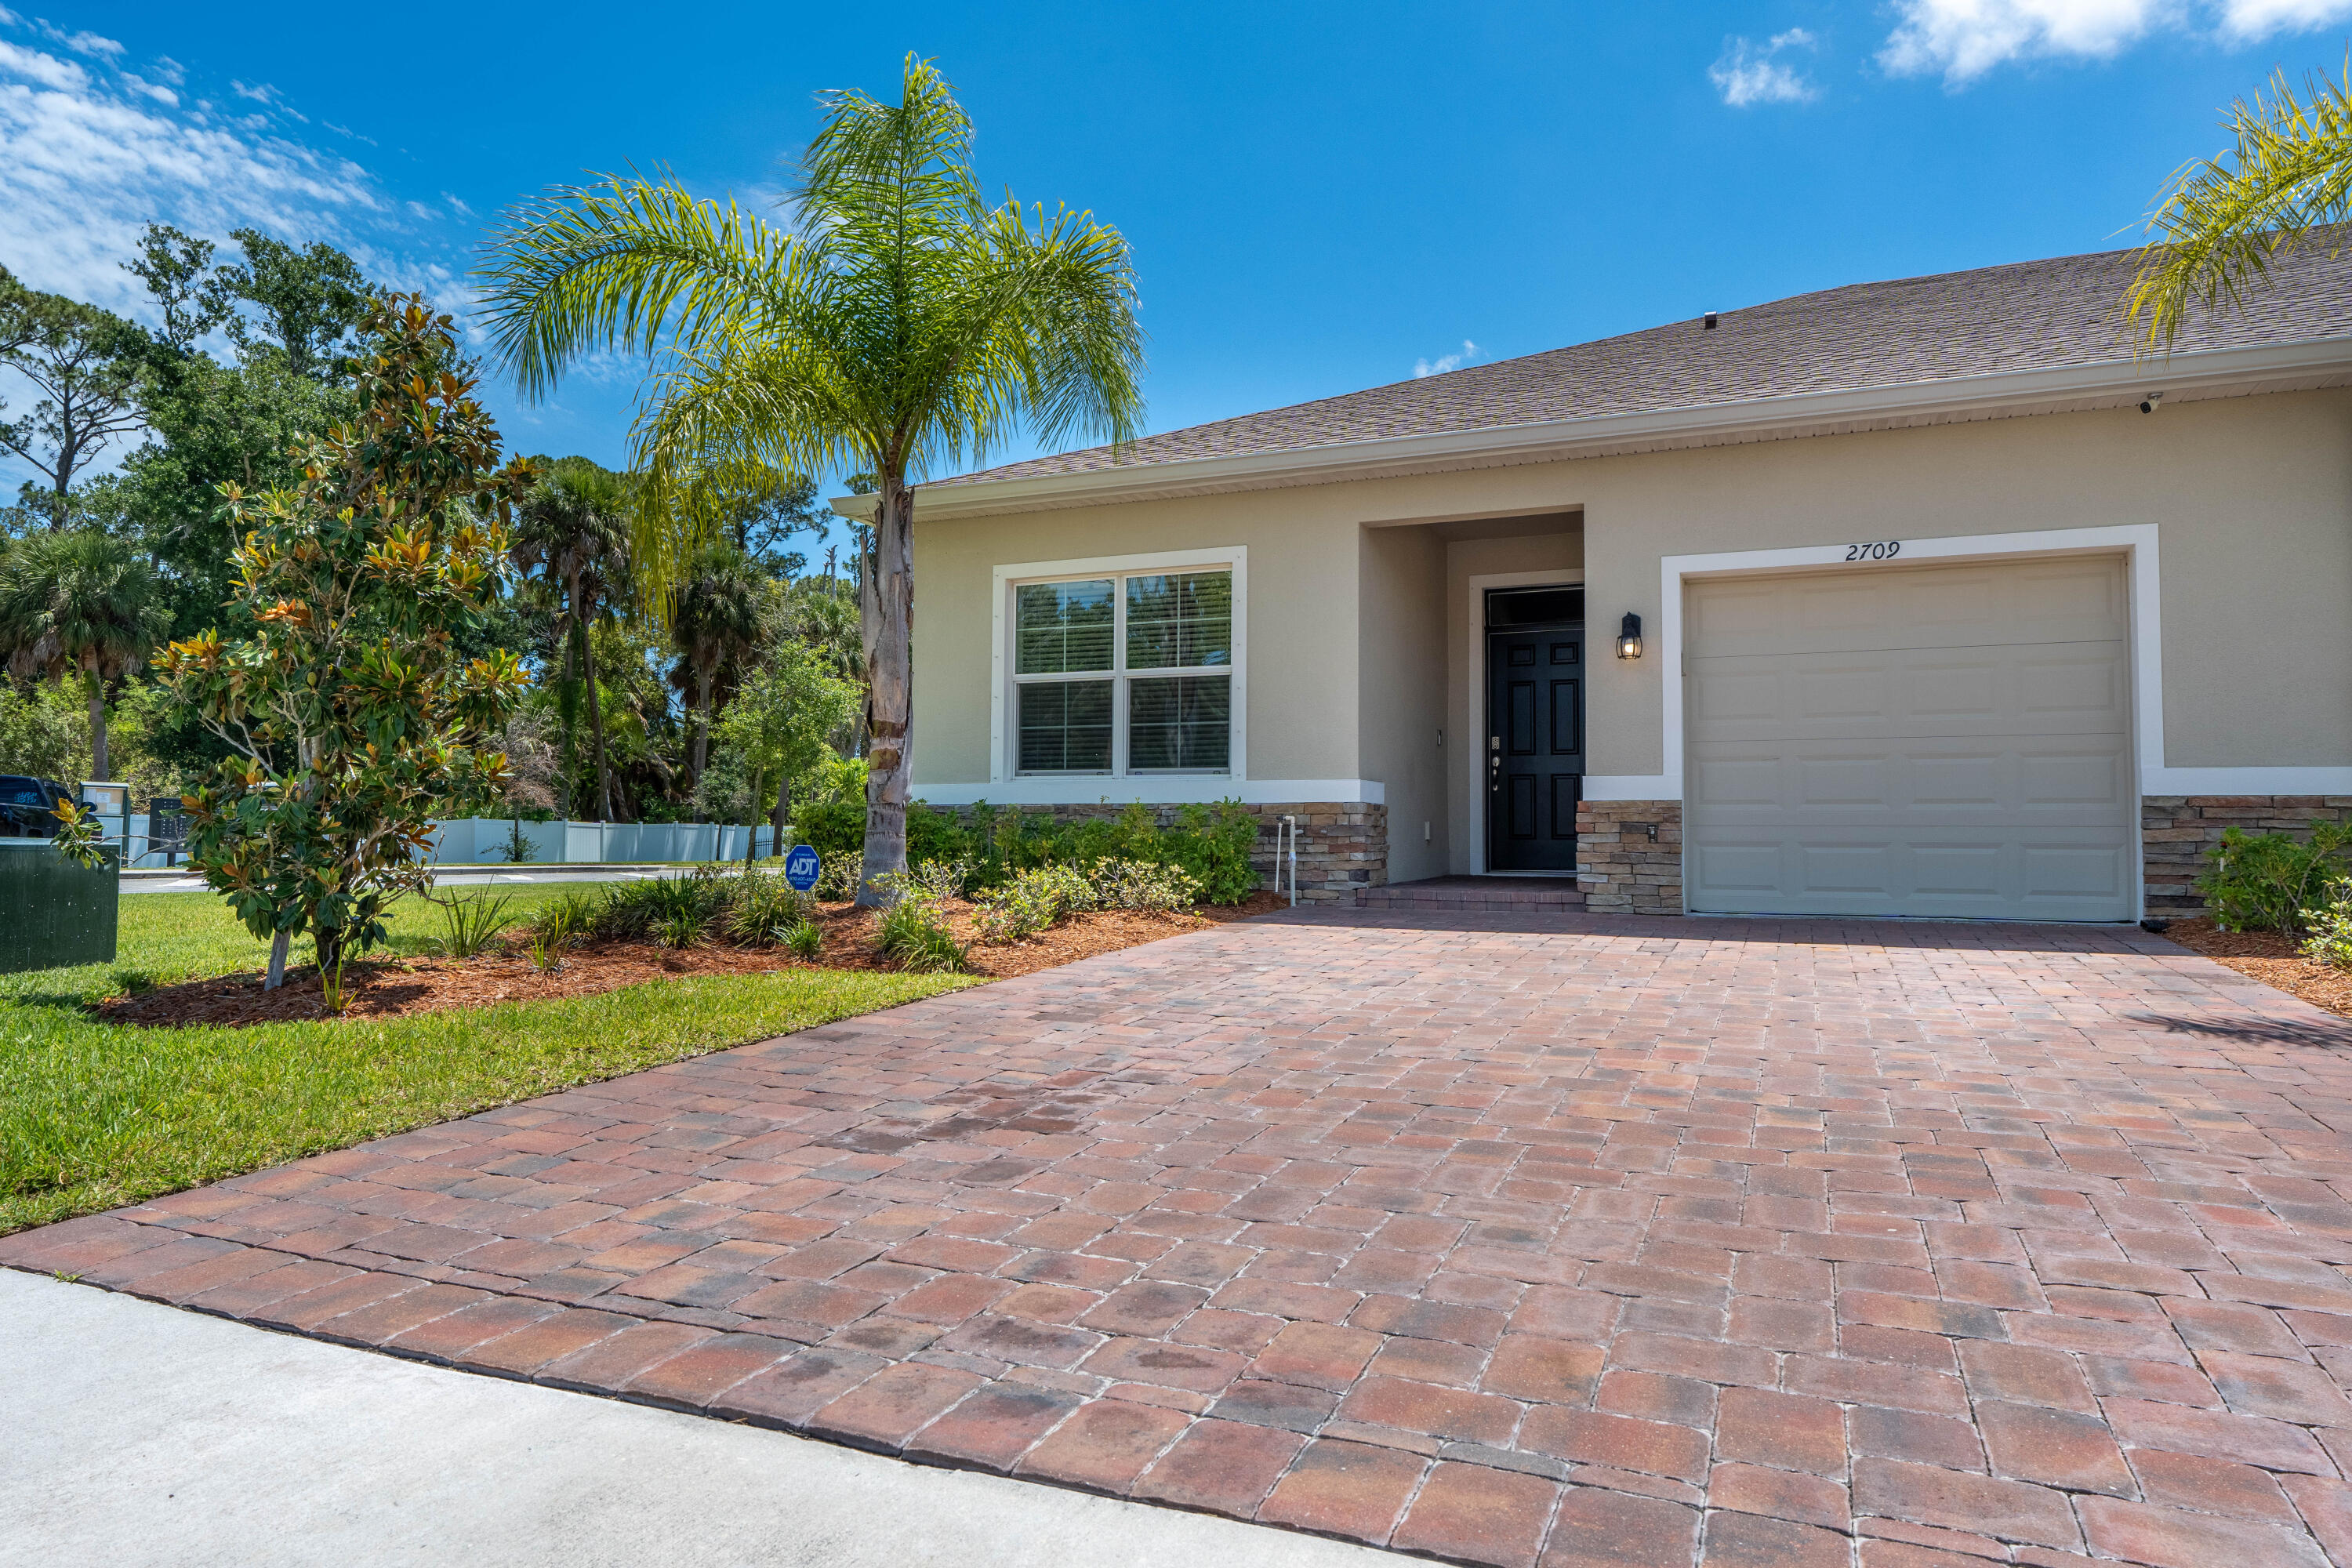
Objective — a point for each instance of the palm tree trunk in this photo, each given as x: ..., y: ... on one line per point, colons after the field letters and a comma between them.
x: 889, y: 624
x: 95, y: 689
x: 596, y: 738
x: 567, y: 708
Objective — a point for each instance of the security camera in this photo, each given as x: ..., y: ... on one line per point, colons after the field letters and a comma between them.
x: 2149, y: 405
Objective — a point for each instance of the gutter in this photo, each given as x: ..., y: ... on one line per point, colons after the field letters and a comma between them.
x: 2182, y: 378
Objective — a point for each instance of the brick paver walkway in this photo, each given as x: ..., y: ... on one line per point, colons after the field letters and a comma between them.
x: 1619, y: 1241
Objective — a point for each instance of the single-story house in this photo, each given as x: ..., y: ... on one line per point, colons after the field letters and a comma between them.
x: 1924, y: 598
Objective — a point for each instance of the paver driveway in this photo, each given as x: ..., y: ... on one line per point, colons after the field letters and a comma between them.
x: 1615, y: 1241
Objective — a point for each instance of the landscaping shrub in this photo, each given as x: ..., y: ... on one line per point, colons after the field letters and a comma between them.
x: 635, y: 909
x: 1139, y: 885
x: 1036, y: 899
x: 913, y: 934
x: 762, y: 908
x: 2327, y: 927
x: 1211, y: 844
x: 1032, y: 902
x: 2268, y: 883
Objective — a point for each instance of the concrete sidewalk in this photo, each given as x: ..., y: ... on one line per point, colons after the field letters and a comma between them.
x: 139, y: 1434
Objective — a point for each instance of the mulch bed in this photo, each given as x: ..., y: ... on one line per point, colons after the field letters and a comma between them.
x: 2270, y: 957
x: 393, y: 987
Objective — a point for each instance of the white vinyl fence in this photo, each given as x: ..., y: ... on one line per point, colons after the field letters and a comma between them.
x: 484, y: 841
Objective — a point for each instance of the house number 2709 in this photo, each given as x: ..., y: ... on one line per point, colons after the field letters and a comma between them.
x: 1876, y: 549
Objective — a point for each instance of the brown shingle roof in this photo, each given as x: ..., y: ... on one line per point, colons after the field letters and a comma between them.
x: 2029, y: 315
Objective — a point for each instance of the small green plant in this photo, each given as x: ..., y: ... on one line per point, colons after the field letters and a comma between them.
x: 331, y: 986
x: 546, y: 948
x: 806, y: 941
x: 761, y: 908
x: 1141, y: 885
x: 837, y: 875
x: 913, y: 934
x: 632, y: 909
x: 518, y: 850
x: 681, y: 928
x: 471, y: 924
x: 1033, y: 901
x: 2327, y: 927
x: 568, y: 918
x: 934, y: 881
x: 2266, y: 883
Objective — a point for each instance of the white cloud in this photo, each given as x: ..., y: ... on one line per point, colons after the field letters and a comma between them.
x: 42, y: 69
x: 2245, y: 21
x: 87, y: 160
x: 1962, y: 39
x: 1445, y: 363
x: 146, y: 89
x: 83, y: 43
x: 1747, y: 75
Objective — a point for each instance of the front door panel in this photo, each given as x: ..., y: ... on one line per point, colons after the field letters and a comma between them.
x: 1535, y: 749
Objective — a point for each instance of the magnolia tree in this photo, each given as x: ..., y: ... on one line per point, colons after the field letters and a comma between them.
x: 352, y: 714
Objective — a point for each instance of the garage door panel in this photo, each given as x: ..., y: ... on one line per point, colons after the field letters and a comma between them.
x: 1974, y: 760
x: 1733, y: 869
x: 1878, y: 606
x: 2043, y: 780
x: 2078, y: 871
x: 1856, y: 872
x: 1957, y: 870
x: 2040, y: 688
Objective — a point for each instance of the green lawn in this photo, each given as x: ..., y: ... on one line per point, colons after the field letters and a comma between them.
x: 94, y: 1115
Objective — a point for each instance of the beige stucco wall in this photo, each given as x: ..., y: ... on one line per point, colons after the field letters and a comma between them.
x: 2253, y: 497
x: 1301, y: 619
x: 1400, y: 702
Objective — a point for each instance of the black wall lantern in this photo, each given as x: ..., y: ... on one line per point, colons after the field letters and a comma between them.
x: 1628, y: 637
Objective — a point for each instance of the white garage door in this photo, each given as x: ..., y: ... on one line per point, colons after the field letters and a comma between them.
x: 1884, y: 739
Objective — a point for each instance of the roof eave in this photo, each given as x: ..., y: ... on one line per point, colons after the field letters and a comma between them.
x: 2182, y: 378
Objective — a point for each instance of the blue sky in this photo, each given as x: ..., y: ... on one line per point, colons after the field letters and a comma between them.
x: 1320, y: 197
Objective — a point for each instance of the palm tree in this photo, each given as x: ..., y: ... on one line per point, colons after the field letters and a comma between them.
x: 899, y: 325
x: 79, y: 603
x: 2221, y: 220
x: 717, y: 624
x: 572, y: 528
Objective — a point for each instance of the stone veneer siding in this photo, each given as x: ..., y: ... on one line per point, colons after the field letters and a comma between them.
x: 2175, y: 830
x: 1622, y: 868
x: 1343, y: 846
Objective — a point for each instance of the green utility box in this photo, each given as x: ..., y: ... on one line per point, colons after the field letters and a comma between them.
x: 54, y: 912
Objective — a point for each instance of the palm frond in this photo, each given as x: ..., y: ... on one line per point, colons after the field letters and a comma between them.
x: 2222, y: 220
x: 898, y: 326
x: 630, y: 265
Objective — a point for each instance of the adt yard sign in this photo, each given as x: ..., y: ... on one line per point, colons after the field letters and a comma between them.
x: 801, y: 867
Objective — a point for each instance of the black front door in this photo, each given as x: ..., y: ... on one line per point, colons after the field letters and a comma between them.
x: 1535, y: 749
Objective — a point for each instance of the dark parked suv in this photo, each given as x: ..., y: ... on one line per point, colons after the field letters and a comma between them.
x: 28, y: 805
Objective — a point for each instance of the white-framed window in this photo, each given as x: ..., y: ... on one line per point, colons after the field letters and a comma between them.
x: 1121, y: 667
